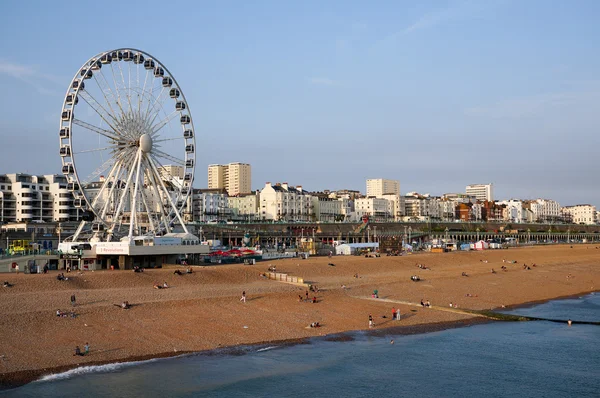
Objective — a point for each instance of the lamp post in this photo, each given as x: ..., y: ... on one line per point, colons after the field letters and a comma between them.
x: 409, y: 235
x: 369, y: 234
x: 446, y: 231
x: 375, y: 233
x: 569, y: 235
x: 477, y: 234
x: 528, y: 235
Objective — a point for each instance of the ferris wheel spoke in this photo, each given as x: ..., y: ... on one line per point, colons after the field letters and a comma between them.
x: 87, y: 97
x: 106, y: 133
x: 164, y: 122
x: 151, y: 104
x: 97, y: 149
x: 178, y: 184
x: 144, y: 92
x: 160, y: 154
x: 127, y: 94
x: 109, y: 163
x: 106, y: 90
x: 119, y: 101
x: 169, y: 139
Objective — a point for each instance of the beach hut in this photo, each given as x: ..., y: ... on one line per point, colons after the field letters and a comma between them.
x: 481, y: 245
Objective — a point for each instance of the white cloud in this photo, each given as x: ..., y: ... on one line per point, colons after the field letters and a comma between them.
x: 323, y: 81
x: 520, y: 107
x: 30, y: 75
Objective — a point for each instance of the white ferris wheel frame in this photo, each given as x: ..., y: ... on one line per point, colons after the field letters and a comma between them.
x: 124, y: 149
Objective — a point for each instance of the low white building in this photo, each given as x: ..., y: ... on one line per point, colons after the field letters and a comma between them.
x: 326, y: 209
x: 375, y: 208
x: 581, y: 214
x: 282, y: 202
x: 210, y: 204
x: 244, y: 206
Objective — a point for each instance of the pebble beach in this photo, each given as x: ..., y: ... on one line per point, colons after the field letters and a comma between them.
x: 203, y: 311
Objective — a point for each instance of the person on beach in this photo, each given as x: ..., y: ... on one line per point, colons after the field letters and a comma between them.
x: 73, y: 300
x: 165, y: 286
x: 370, y: 320
x: 393, y: 313
x: 243, y: 298
x: 78, y: 351
x: 314, y: 300
x: 398, y: 313
x: 86, y: 348
x: 306, y: 294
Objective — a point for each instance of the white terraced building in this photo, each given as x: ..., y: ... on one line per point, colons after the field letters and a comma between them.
x: 281, y: 202
x: 581, y: 214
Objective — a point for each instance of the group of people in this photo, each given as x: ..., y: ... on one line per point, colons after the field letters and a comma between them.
x: 61, y: 277
x: 7, y: 284
x: 396, y: 314
x: 315, y: 325
x: 415, y: 278
x: 422, y: 266
x: 425, y: 304
x: 137, y: 269
x: 86, y: 350
x: 159, y: 286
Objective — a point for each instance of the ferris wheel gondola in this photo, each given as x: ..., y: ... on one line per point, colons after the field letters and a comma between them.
x: 127, y: 145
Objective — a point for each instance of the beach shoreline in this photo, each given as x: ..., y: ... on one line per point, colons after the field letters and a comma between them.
x: 202, y: 314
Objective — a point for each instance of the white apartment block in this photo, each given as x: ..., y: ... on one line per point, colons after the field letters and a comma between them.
x: 581, y: 214
x: 244, y: 206
x: 379, y: 187
x: 210, y: 204
x: 513, y: 212
x: 375, y: 208
x: 235, y: 178
x: 416, y: 206
x: 281, y: 202
x: 25, y: 197
x: 483, y: 192
x: 395, y: 206
x: 327, y: 209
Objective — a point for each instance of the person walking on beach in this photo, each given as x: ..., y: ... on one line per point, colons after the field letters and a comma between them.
x: 370, y: 320
x: 393, y: 313
x: 243, y: 298
x: 398, y: 313
x: 86, y: 349
x: 73, y: 300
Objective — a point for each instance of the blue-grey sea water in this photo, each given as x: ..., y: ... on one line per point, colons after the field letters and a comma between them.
x: 500, y: 359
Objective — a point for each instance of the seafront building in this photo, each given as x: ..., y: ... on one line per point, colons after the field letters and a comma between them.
x: 482, y: 192
x: 379, y: 187
x: 581, y: 214
x: 45, y: 198
x: 235, y: 178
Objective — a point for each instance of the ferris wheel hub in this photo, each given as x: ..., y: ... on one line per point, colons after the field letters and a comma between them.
x: 146, y: 143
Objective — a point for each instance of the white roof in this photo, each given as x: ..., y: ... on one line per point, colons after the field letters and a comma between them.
x: 360, y: 245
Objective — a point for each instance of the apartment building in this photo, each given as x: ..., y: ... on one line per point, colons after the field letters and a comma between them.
x: 26, y: 198
x: 379, y: 187
x: 375, y: 208
x: 282, y: 202
x: 326, y: 209
x: 482, y: 192
x: 235, y: 178
x: 244, y: 207
x: 581, y: 214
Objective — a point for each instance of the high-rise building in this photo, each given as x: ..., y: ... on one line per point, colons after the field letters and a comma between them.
x: 236, y: 178
x: 482, y: 192
x: 379, y: 187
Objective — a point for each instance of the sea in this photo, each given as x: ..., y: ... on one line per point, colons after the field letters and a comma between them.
x: 498, y: 359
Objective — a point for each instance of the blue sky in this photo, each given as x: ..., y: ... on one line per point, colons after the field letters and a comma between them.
x: 435, y: 94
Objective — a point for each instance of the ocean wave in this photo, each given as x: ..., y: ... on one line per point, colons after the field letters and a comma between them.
x: 108, y: 368
x: 267, y: 348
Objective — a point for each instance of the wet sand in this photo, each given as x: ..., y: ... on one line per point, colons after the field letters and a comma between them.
x: 202, y: 311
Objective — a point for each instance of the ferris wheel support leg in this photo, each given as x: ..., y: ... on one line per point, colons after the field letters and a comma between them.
x: 151, y: 161
x: 133, y: 211
x: 78, y: 231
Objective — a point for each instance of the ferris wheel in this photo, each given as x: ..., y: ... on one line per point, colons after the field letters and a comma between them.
x: 127, y: 145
